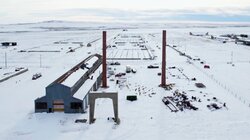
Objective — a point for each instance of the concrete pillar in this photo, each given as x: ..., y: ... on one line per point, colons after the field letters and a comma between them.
x: 115, y: 107
x: 164, y: 44
x: 95, y: 95
x: 91, y: 109
x: 96, y: 86
x: 104, y: 59
x: 85, y: 103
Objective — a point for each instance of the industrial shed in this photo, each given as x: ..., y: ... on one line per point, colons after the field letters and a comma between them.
x: 69, y: 93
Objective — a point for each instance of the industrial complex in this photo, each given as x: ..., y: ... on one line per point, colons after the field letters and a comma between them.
x: 71, y: 80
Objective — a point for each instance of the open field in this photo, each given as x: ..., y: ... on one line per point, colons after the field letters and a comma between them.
x: 46, y: 48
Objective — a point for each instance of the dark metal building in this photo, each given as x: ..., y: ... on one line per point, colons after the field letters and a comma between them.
x: 63, y: 95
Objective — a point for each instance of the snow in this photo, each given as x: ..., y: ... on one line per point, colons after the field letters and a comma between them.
x: 74, y: 77
x: 147, y: 118
x: 92, y: 61
x: 86, y: 87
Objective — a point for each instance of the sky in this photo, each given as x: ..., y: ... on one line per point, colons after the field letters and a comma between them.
x: 20, y: 11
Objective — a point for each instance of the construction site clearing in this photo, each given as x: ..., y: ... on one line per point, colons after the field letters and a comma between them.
x: 125, y: 83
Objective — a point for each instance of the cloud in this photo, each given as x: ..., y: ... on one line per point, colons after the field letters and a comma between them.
x: 161, y: 15
x: 117, y: 15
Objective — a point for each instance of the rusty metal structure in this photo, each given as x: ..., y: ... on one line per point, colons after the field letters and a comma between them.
x: 104, y: 60
x: 164, y: 44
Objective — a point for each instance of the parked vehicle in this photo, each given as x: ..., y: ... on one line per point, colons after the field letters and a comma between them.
x: 18, y: 69
x: 131, y: 98
x: 36, y: 76
x: 115, y: 63
x: 128, y: 69
x: 89, y: 45
x: 120, y: 74
x: 111, y: 72
x: 153, y: 67
x: 134, y: 71
x: 206, y: 66
x: 71, y: 50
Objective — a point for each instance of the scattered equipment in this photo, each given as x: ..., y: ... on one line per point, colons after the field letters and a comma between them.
x: 206, y: 67
x: 81, y: 121
x: 128, y: 69
x: 133, y: 70
x: 153, y: 67
x: 131, y: 98
x: 200, y: 85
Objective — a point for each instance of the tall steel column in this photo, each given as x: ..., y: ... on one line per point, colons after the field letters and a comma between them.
x: 164, y: 44
x: 104, y: 61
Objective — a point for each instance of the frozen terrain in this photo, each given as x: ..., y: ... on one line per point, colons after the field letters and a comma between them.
x: 46, y: 48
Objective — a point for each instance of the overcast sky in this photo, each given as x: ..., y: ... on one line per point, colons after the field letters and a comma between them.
x: 14, y: 11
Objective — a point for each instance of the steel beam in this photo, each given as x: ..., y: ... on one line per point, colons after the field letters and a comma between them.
x: 104, y: 59
x: 164, y: 44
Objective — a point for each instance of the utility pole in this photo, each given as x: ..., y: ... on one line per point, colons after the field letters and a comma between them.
x: 163, y: 73
x: 232, y: 55
x: 104, y: 63
x: 5, y: 60
x: 40, y: 61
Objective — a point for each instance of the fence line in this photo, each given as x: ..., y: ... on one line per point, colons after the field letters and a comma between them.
x: 215, y: 80
x: 235, y: 94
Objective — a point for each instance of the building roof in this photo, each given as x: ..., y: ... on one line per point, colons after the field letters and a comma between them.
x: 85, y: 88
x: 74, y: 77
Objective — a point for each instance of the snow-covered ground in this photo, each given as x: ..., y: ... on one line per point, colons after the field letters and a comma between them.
x: 148, y: 117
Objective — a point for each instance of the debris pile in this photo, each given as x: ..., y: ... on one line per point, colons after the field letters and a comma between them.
x: 215, y: 105
x: 168, y: 86
x: 143, y: 90
x: 180, y: 101
x: 80, y: 120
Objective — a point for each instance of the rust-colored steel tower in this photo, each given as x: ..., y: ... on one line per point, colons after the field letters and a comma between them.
x: 104, y: 59
x: 164, y: 44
